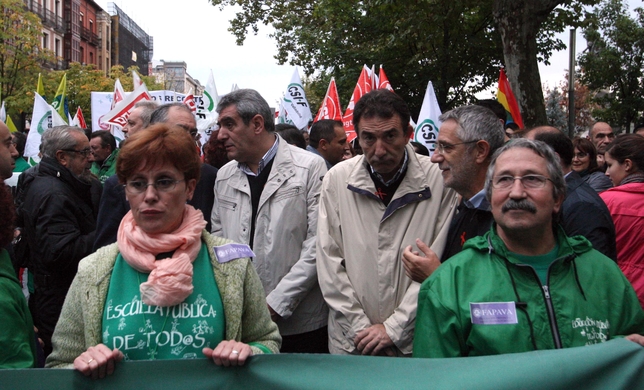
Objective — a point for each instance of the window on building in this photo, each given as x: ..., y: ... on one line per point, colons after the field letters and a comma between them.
x: 82, y: 55
x: 57, y: 47
x: 45, y: 40
x: 91, y: 26
x: 80, y: 18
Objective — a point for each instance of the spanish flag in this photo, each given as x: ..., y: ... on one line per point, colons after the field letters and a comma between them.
x: 505, y: 96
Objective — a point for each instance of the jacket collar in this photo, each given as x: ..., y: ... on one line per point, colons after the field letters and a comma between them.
x: 568, y: 246
x: 51, y: 167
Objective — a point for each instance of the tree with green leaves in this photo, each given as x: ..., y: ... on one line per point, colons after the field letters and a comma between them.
x: 21, y: 56
x: 555, y: 113
x: 457, y: 44
x: 613, y: 64
x: 527, y: 28
x: 450, y: 43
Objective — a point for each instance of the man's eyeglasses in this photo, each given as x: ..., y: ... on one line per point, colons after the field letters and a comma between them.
x: 442, y: 147
x: 528, y: 181
x: 84, y: 152
x: 140, y: 186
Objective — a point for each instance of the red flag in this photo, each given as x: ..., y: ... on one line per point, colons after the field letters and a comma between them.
x: 505, y: 96
x: 190, y: 101
x: 330, y: 108
x: 362, y: 87
x: 118, y: 115
x: 81, y: 120
x: 384, y: 81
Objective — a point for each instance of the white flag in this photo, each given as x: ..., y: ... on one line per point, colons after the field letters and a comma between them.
x: 117, y: 97
x: 118, y: 115
x: 282, y: 115
x: 426, y: 131
x: 136, y: 80
x: 295, y: 104
x: 3, y: 113
x: 206, y: 114
x: 41, y: 120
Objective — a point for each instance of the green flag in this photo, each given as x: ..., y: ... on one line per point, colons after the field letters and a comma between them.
x: 59, y: 100
x: 40, y: 89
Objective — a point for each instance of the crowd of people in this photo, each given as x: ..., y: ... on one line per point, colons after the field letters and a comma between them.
x: 265, y: 241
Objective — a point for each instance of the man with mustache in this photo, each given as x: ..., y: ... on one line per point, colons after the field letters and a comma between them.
x: 525, y: 285
x: 59, y: 216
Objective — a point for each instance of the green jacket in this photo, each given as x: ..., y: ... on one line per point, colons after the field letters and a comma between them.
x: 590, y: 301
x: 17, y: 338
x: 107, y: 169
x: 245, y: 310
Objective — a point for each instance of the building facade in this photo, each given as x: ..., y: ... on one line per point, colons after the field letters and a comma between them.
x: 81, y: 31
x: 173, y: 76
x: 130, y: 44
x: 50, y: 13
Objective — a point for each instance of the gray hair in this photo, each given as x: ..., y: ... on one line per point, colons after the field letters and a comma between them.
x: 248, y: 103
x: 148, y: 107
x: 160, y: 114
x: 59, y: 138
x: 540, y: 148
x: 477, y: 123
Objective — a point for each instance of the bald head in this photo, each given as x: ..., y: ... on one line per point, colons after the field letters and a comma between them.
x: 532, y: 133
x: 601, y: 134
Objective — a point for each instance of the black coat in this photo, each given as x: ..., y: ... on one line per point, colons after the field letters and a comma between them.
x: 59, y: 216
x: 584, y: 213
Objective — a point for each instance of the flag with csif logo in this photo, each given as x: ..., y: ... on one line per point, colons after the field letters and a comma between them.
x: 43, y: 117
x: 296, y: 109
x: 426, y: 131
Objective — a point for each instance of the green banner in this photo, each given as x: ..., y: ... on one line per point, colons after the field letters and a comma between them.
x: 617, y: 364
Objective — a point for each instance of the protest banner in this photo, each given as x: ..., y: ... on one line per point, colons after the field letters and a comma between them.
x: 616, y: 364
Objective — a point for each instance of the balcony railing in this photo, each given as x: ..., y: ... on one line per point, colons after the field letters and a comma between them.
x: 49, y: 18
x: 89, y: 36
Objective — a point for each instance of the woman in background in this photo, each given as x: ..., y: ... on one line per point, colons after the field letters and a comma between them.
x: 625, y: 167
x: 584, y: 162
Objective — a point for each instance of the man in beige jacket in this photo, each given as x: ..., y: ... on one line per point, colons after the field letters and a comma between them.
x: 371, y: 207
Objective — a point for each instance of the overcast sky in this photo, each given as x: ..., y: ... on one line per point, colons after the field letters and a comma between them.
x: 196, y: 32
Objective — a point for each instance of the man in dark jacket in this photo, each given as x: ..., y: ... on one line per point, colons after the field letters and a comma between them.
x: 59, y: 215
x: 583, y: 212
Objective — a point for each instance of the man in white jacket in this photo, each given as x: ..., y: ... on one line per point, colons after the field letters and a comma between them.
x: 267, y: 197
x: 371, y: 207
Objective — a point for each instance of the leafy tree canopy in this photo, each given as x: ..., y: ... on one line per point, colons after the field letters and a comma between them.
x: 613, y: 64
x: 453, y: 43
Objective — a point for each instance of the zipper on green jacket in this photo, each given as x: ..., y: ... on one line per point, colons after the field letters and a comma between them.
x: 549, y: 307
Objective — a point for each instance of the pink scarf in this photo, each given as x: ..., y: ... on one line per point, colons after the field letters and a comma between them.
x: 170, y: 280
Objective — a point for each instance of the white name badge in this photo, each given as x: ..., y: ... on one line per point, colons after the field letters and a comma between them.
x: 493, y: 313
